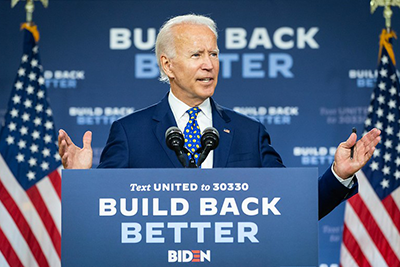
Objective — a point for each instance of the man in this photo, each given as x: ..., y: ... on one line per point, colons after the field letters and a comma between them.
x: 187, y: 54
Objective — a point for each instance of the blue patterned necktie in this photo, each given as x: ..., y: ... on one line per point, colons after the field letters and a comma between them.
x: 192, y: 132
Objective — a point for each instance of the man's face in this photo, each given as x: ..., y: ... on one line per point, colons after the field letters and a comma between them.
x: 193, y: 72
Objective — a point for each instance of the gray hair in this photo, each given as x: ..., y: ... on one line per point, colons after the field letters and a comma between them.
x: 165, y: 38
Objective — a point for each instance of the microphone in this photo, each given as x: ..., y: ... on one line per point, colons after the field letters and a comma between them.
x: 175, y: 141
x: 209, y: 141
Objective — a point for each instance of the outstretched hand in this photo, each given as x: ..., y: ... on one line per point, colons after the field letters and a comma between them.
x: 73, y: 157
x: 346, y: 166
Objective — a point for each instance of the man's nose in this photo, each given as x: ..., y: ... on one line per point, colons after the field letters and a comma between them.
x: 207, y: 63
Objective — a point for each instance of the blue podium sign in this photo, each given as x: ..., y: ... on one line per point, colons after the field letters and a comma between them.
x: 217, y: 217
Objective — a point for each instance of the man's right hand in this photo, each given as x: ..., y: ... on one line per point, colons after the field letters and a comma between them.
x: 73, y: 157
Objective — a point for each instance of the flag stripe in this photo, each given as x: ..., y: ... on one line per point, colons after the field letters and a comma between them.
x: 33, y: 221
x: 22, y: 225
x: 374, y: 231
x: 365, y: 243
x: 51, y: 200
x: 55, y: 178
x: 349, y: 260
x: 393, y: 210
x: 15, y: 239
x: 3, y: 261
x: 380, y: 215
x: 47, y: 219
x: 6, y: 248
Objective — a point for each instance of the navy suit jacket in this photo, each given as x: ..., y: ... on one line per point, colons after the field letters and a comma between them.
x: 138, y: 141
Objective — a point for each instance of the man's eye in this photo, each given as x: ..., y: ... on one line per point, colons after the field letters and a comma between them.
x: 214, y: 54
x: 196, y: 55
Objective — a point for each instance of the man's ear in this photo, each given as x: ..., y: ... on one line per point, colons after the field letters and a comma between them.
x: 166, y: 66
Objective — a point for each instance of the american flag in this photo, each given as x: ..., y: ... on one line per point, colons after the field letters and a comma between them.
x: 371, y: 233
x: 30, y: 181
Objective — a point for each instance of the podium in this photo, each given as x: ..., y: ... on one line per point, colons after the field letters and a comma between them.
x: 207, y: 217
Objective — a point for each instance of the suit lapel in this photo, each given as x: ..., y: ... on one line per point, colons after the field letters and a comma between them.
x: 221, y: 122
x: 163, y: 119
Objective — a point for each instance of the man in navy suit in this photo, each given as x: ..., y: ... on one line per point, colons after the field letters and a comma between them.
x: 187, y: 54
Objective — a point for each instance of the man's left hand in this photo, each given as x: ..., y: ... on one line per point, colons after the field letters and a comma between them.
x: 345, y: 166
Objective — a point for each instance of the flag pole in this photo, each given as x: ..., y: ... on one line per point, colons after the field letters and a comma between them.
x: 29, y: 7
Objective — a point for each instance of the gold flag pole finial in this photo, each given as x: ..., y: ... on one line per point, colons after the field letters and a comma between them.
x: 29, y: 7
x: 387, y: 11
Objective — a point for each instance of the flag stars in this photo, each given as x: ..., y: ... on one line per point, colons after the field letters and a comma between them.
x: 397, y: 175
x: 374, y: 166
x: 30, y: 89
x: 379, y: 125
x: 384, y: 60
x: 12, y: 126
x: 21, y: 72
x: 368, y: 122
x: 41, y: 80
x: 45, y: 166
x: 388, y: 143
x: 32, y: 162
x: 49, y: 112
x: 23, y: 130
x: 35, y: 135
x: 25, y: 117
x: 39, y: 108
x: 34, y: 148
x: 46, y: 152
x: 31, y: 175
x: 48, y: 125
x: 57, y: 157
x: 379, y: 112
x: 398, y: 148
x: 14, y: 113
x: 32, y: 76
x: 47, y: 138
x: 377, y: 153
x: 382, y: 86
x: 385, y: 183
x: 28, y: 103
x: 390, y: 117
x: 386, y: 170
x: 10, y: 140
x: 392, y: 91
x: 16, y: 99
x: 37, y: 121
x: 35, y: 49
x: 34, y: 63
x: 381, y: 99
x: 40, y: 94
x: 21, y: 144
x: 24, y: 58
x: 387, y: 157
x: 392, y: 103
x: 20, y: 157
x: 383, y: 72
x: 19, y: 85
x: 389, y: 130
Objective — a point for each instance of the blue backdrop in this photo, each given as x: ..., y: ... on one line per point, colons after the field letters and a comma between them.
x: 304, y: 68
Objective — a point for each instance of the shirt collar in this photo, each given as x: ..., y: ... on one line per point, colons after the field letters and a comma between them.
x: 179, y: 108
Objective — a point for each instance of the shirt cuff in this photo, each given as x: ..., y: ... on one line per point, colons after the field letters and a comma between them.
x: 349, y: 182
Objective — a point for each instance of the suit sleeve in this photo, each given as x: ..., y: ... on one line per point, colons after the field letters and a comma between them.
x: 331, y: 192
x: 115, y: 153
x: 269, y: 157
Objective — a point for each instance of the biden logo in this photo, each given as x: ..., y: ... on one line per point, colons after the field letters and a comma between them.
x: 189, y: 256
